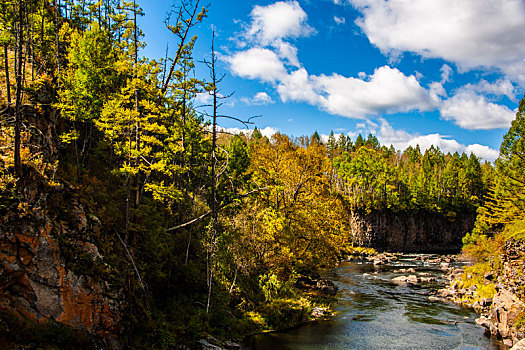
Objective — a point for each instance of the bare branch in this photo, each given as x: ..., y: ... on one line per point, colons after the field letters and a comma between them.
x: 209, y: 212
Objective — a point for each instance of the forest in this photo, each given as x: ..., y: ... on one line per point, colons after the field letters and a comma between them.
x: 201, y: 231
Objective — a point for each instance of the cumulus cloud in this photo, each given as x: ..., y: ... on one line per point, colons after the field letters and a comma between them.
x: 386, y: 91
x: 257, y: 63
x: 402, y: 139
x: 473, y: 111
x: 393, y: 26
x: 260, y: 98
x: 288, y: 52
x: 264, y: 40
x: 281, y: 20
x: 472, y: 34
x: 298, y: 87
x: 483, y: 152
x: 501, y: 87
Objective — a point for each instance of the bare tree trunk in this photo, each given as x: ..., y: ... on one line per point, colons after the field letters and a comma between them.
x: 137, y: 124
x: 57, y: 42
x: 18, y: 116
x: 7, y: 81
x: 214, y: 217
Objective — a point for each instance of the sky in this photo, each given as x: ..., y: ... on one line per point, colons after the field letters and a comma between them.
x: 448, y: 73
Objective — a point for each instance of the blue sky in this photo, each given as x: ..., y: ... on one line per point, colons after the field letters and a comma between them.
x: 449, y: 73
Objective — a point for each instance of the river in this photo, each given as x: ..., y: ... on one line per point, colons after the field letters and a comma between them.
x: 375, y: 313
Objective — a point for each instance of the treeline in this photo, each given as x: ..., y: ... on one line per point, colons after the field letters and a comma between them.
x: 379, y: 177
x: 218, y: 226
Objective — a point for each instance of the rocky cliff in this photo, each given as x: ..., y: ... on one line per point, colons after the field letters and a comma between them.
x: 410, y: 231
x: 40, y: 228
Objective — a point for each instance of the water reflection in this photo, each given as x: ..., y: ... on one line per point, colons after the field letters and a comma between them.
x: 375, y: 313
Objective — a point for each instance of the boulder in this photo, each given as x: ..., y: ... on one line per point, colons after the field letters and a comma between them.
x: 318, y: 312
x: 486, y: 302
x: 231, y: 345
x: 428, y: 279
x: 505, y: 310
x: 413, y: 279
x: 400, y: 279
x: 519, y: 345
x: 205, y: 345
x: 484, y: 322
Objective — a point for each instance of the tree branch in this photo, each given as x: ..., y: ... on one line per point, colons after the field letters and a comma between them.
x: 209, y: 212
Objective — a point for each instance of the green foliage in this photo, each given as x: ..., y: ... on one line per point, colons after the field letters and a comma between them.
x: 286, y: 313
x: 504, y: 208
x: 375, y: 178
x: 474, y: 279
x: 516, y: 230
x: 91, y: 76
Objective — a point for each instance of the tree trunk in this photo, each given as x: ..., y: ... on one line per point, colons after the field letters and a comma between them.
x: 137, y: 124
x: 18, y: 116
x: 7, y: 81
x: 214, y: 217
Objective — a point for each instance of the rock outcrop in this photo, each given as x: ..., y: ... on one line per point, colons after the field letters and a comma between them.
x: 500, y: 316
x: 505, y: 311
x: 410, y: 231
x: 36, y: 283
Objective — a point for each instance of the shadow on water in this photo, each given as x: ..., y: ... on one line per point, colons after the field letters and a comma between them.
x: 375, y: 313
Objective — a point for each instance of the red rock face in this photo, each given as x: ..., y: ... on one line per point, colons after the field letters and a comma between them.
x: 34, y: 281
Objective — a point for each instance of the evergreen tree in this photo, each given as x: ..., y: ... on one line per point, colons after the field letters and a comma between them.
x: 359, y: 142
x: 315, y: 139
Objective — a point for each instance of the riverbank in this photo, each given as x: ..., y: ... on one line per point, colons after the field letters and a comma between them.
x: 311, y: 298
x: 494, y: 292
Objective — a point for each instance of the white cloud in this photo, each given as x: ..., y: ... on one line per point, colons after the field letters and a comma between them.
x: 339, y: 20
x: 298, y: 87
x: 472, y: 111
x: 484, y: 152
x: 501, y: 87
x: 472, y: 34
x: 446, y: 72
x: 257, y: 63
x: 386, y: 91
x: 281, y: 20
x: 288, y: 52
x: 260, y: 98
x: 401, y: 139
x: 267, y: 131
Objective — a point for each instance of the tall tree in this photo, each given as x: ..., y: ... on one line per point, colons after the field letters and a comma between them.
x: 21, y: 5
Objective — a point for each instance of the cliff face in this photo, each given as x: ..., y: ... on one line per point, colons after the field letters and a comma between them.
x: 420, y: 231
x: 36, y: 283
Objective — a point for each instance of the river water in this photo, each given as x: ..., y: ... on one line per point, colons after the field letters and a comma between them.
x: 375, y: 313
